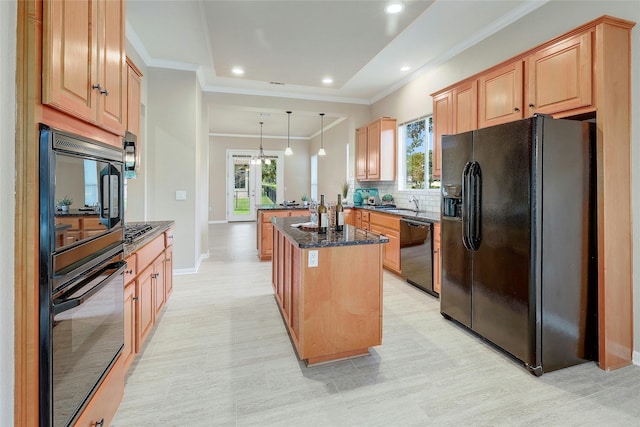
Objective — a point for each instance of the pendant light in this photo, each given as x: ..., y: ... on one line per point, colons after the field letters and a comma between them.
x: 321, y: 152
x: 261, y: 157
x: 288, y: 151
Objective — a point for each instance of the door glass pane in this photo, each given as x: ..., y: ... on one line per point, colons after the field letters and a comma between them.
x: 269, y: 183
x: 241, y: 184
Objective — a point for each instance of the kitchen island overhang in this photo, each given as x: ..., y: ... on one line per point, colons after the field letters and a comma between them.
x: 328, y: 289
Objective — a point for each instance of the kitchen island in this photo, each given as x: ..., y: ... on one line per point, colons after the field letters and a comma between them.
x: 328, y: 288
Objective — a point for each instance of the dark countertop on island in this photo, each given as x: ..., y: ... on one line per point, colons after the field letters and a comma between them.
x: 427, y: 216
x: 159, y: 227
x: 310, y: 239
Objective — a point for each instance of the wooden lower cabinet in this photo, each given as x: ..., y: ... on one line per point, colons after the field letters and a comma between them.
x: 159, y: 295
x: 168, y: 271
x: 264, y: 241
x: 437, y: 273
x: 334, y: 310
x: 349, y: 217
x: 104, y: 403
x: 129, y: 350
x: 145, y: 308
x: 388, y: 226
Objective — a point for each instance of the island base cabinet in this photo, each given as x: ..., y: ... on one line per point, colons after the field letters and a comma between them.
x: 332, y: 310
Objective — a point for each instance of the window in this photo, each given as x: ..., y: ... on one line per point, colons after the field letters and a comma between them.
x: 415, y: 146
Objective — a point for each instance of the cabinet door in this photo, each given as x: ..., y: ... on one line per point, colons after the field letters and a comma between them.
x: 133, y: 101
x: 158, y: 284
x: 168, y: 272
x: 129, y: 350
x: 373, y: 150
x: 465, y: 107
x: 69, y: 49
x: 443, y: 125
x: 501, y: 92
x: 144, y: 306
x: 437, y: 279
x: 361, y: 154
x: 559, y: 77
x: 266, y: 240
x: 112, y: 66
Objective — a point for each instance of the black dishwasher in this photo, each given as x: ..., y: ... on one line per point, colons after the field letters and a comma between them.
x: 416, y: 253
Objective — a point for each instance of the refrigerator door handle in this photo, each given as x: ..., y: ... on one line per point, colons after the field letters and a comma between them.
x: 466, y: 202
x: 475, y: 232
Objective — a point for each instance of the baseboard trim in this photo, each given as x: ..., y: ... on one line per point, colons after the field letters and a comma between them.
x: 218, y: 222
x: 636, y: 358
x: 185, y: 271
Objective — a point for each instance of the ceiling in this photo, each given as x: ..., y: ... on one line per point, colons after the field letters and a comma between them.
x: 286, y: 48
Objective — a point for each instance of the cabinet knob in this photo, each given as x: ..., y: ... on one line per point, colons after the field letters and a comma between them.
x: 135, y: 298
x: 516, y: 109
x: 531, y: 106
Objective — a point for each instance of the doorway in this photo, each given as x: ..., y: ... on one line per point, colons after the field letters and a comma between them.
x: 252, y: 183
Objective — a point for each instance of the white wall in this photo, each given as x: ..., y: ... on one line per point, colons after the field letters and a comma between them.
x: 8, y: 14
x: 545, y: 23
x: 173, y: 163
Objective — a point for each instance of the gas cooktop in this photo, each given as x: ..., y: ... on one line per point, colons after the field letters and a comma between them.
x: 133, y: 231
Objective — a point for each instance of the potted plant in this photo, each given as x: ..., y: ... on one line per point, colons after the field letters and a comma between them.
x: 387, y: 199
x: 305, y: 200
x: 345, y: 191
x: 64, y: 203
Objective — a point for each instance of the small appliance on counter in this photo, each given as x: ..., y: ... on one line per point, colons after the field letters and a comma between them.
x: 366, y: 196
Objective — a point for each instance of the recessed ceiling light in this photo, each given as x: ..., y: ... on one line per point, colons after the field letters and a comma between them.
x: 238, y: 71
x: 405, y: 68
x: 394, y: 7
x: 327, y: 80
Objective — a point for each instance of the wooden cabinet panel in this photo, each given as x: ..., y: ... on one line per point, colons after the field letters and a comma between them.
x: 83, y: 63
x: 349, y: 217
x: 265, y: 229
x: 443, y: 125
x: 129, y: 350
x: 501, y: 92
x: 168, y: 272
x: 559, y: 78
x: 133, y: 99
x: 388, y: 226
x: 158, y: 285
x: 357, y: 218
x: 437, y: 275
x: 361, y: 154
x: 465, y: 107
x: 149, y: 252
x: 144, y: 306
x: 376, y: 151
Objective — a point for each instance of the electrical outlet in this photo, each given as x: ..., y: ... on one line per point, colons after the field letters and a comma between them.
x: 313, y: 258
x: 181, y: 195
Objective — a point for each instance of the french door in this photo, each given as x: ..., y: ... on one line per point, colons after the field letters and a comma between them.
x: 251, y: 184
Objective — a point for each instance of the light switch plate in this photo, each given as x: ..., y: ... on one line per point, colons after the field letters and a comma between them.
x: 181, y: 195
x: 313, y: 258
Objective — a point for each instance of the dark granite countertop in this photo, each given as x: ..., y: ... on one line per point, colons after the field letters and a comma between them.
x: 280, y: 207
x: 310, y: 239
x: 159, y: 227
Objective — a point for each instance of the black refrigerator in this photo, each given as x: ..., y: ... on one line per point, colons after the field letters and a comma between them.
x: 518, y: 239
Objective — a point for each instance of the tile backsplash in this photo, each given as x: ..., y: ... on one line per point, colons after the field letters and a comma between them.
x: 427, y: 199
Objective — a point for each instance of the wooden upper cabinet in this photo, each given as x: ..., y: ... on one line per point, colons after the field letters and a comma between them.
x: 83, y: 64
x: 361, y: 154
x: 559, y: 78
x: 442, y: 125
x: 134, y: 77
x: 465, y: 107
x: 501, y: 92
x: 373, y: 151
x: 376, y: 151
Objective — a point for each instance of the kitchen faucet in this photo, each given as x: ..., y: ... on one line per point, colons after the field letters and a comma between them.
x: 415, y: 201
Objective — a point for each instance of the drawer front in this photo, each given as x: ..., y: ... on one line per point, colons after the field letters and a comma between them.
x: 150, y: 251
x: 365, y: 216
x: 73, y: 222
x: 132, y: 268
x: 92, y: 224
x: 267, y: 215
x: 385, y: 220
x: 168, y: 238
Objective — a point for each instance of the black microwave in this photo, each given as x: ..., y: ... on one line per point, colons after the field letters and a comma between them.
x: 81, y: 202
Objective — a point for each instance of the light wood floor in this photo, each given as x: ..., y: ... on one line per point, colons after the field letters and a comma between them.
x: 220, y: 356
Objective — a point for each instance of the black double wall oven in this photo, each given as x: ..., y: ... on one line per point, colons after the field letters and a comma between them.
x: 81, y: 270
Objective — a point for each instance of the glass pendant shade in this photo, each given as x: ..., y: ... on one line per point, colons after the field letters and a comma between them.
x: 288, y: 150
x: 321, y: 152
